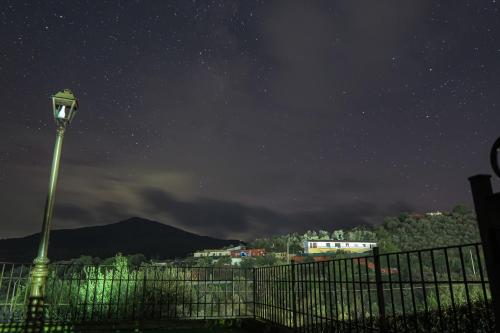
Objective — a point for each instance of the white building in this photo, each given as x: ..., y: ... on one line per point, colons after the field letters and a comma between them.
x: 212, y: 253
x: 217, y: 252
x: 328, y: 246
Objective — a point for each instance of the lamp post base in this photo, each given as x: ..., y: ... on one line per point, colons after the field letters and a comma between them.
x: 38, y: 278
x: 35, y: 314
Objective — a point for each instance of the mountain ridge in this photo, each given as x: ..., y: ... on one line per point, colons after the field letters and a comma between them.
x: 130, y: 236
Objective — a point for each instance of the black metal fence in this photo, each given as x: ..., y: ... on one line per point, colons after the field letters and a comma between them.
x: 14, y: 279
x: 435, y: 290
x: 441, y: 289
x: 76, y: 293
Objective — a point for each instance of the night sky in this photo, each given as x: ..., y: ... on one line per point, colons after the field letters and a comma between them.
x: 246, y: 118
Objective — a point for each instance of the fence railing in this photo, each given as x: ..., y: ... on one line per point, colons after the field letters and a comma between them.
x: 14, y: 279
x: 76, y: 293
x: 441, y: 289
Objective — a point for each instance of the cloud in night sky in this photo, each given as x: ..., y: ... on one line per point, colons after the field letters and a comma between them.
x: 246, y: 118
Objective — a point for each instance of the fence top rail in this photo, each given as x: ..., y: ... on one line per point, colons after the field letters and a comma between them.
x: 433, y: 249
x: 16, y: 263
x: 64, y: 265
x: 155, y: 267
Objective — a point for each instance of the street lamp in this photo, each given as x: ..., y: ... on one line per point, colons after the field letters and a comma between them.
x: 64, y: 105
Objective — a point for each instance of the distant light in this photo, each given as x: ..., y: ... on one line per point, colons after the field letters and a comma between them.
x: 62, y: 112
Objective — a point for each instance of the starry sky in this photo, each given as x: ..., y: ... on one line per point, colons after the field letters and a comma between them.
x: 246, y: 118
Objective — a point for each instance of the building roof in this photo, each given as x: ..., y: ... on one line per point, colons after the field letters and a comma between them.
x: 337, y: 241
x: 212, y: 250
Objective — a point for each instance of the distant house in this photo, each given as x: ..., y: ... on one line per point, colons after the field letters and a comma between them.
x: 248, y: 253
x: 330, y: 246
x: 212, y: 253
x: 438, y: 213
x: 218, y: 252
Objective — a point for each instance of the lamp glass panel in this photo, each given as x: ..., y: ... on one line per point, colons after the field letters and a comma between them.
x: 62, y: 112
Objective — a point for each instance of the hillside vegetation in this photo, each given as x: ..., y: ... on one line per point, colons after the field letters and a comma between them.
x: 397, y: 233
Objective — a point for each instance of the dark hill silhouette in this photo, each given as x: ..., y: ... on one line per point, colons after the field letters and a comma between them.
x: 135, y: 235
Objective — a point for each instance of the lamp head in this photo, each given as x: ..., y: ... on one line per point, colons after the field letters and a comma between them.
x: 64, y: 105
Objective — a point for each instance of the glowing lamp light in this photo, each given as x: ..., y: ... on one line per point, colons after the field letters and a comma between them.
x: 64, y: 105
x: 62, y: 113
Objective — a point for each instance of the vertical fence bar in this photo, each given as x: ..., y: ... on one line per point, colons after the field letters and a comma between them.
x: 470, y: 323
x: 450, y: 284
x: 481, y: 276
x: 401, y: 290
x: 341, y: 291
x: 310, y: 310
x: 369, y: 286
x: 330, y: 296
x: 424, y: 290
x: 391, y: 289
x: 346, y: 284
x: 412, y: 288
x: 362, y: 306
x: 293, y: 298
x: 325, y: 303
x: 255, y: 290
x: 380, y: 289
x: 302, y: 301
x: 438, y: 299
x: 355, y: 303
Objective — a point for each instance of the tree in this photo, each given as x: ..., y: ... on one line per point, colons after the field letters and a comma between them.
x: 338, y: 234
x: 204, y: 262
x: 323, y: 235
x: 310, y: 235
x: 223, y: 261
x: 267, y: 260
x: 135, y: 260
x: 247, y: 262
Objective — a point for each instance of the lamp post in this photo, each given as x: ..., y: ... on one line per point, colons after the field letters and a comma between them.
x: 64, y: 105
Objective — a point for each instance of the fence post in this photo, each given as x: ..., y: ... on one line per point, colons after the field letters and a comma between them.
x: 487, y: 207
x: 380, y: 289
x: 294, y: 305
